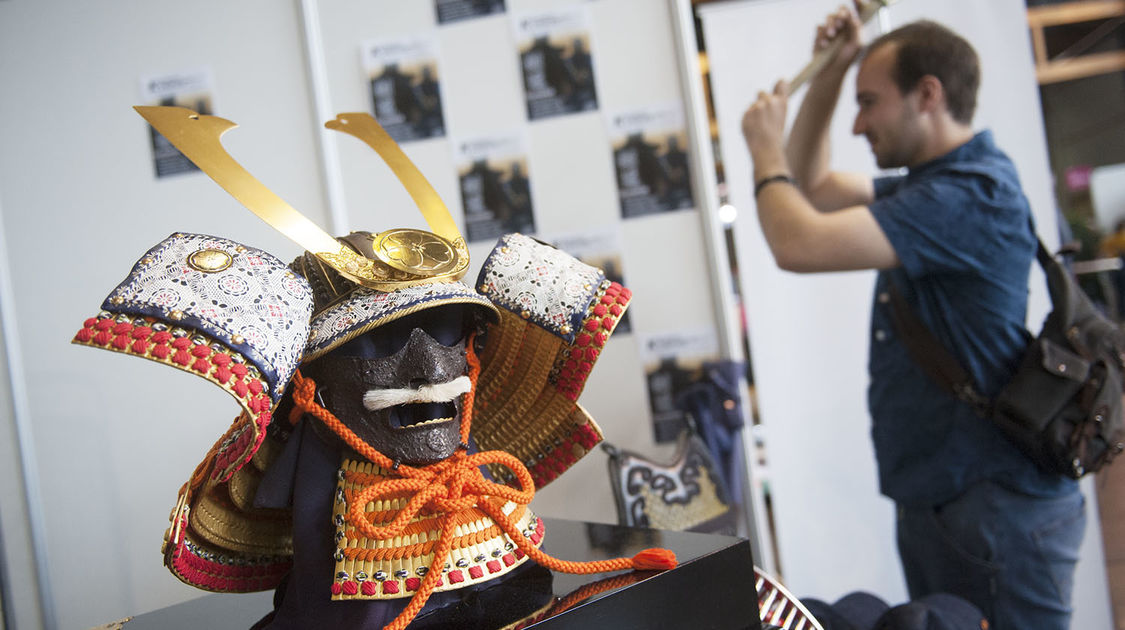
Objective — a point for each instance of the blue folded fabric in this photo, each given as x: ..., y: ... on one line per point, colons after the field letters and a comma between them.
x: 855, y: 611
x: 939, y: 611
x: 863, y: 611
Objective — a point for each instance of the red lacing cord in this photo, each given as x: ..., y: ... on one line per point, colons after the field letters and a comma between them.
x: 450, y: 487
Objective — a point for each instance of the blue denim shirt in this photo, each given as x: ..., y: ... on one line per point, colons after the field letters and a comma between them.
x: 960, y: 226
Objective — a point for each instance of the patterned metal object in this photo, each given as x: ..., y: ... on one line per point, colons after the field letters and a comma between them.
x: 778, y: 607
x: 416, y: 252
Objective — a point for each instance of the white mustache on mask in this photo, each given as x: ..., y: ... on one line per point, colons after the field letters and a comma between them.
x: 376, y: 399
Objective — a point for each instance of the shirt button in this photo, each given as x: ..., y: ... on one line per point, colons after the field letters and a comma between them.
x: 880, y: 335
x: 884, y: 297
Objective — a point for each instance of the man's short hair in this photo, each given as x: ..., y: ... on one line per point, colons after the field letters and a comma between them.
x: 928, y: 48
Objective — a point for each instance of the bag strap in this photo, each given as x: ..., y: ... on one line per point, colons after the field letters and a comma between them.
x: 931, y: 354
x: 1043, y: 255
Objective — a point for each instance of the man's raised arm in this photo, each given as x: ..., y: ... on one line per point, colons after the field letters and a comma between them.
x: 808, y: 149
x: 801, y: 237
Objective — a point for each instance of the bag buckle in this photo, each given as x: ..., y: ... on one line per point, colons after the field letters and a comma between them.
x: 965, y: 392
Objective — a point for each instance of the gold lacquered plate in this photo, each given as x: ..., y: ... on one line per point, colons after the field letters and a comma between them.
x: 415, y: 252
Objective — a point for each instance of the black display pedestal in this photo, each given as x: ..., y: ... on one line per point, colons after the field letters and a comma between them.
x: 712, y: 588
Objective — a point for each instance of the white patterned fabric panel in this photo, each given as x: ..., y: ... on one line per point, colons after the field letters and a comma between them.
x: 365, y: 309
x: 540, y: 283
x: 243, y: 296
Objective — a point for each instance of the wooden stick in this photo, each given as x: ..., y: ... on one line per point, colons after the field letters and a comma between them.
x: 867, y: 11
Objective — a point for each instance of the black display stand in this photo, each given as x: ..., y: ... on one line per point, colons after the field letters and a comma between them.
x: 712, y: 588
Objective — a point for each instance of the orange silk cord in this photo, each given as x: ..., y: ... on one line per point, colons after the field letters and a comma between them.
x: 449, y: 488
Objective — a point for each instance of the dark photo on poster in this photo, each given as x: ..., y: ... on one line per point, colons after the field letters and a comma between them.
x: 495, y: 187
x: 556, y: 64
x: 672, y: 362
x: 457, y: 10
x: 650, y: 161
x: 186, y: 89
x: 405, y: 88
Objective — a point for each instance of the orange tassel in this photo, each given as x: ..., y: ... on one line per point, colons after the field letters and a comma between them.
x: 655, y: 559
x: 462, y: 482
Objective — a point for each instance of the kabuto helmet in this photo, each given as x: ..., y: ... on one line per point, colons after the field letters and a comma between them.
x: 245, y: 321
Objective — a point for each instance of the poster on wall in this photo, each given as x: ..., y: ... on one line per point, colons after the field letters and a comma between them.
x: 405, y: 87
x: 650, y: 160
x: 673, y: 361
x: 457, y: 10
x: 495, y: 185
x: 556, y: 63
x: 601, y: 249
x: 192, y: 89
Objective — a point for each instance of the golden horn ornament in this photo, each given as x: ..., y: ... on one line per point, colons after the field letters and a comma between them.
x: 403, y: 257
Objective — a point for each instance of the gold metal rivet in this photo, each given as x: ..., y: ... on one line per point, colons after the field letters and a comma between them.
x: 176, y: 315
x: 117, y: 299
x: 238, y: 339
x: 210, y: 260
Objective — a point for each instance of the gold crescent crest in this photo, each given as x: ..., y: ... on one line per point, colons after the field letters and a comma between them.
x: 403, y: 257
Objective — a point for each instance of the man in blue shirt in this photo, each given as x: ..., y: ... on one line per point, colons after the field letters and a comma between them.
x: 975, y: 517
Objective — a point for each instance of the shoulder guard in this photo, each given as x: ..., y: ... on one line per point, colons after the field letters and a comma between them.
x: 239, y: 318
x: 556, y: 314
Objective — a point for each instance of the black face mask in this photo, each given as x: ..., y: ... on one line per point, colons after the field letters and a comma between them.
x: 406, y: 356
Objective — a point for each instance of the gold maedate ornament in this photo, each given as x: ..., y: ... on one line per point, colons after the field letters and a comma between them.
x: 403, y: 257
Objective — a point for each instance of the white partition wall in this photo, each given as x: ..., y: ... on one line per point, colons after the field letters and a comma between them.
x: 808, y: 333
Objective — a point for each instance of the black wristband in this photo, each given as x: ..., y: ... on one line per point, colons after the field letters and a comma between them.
x: 766, y: 181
